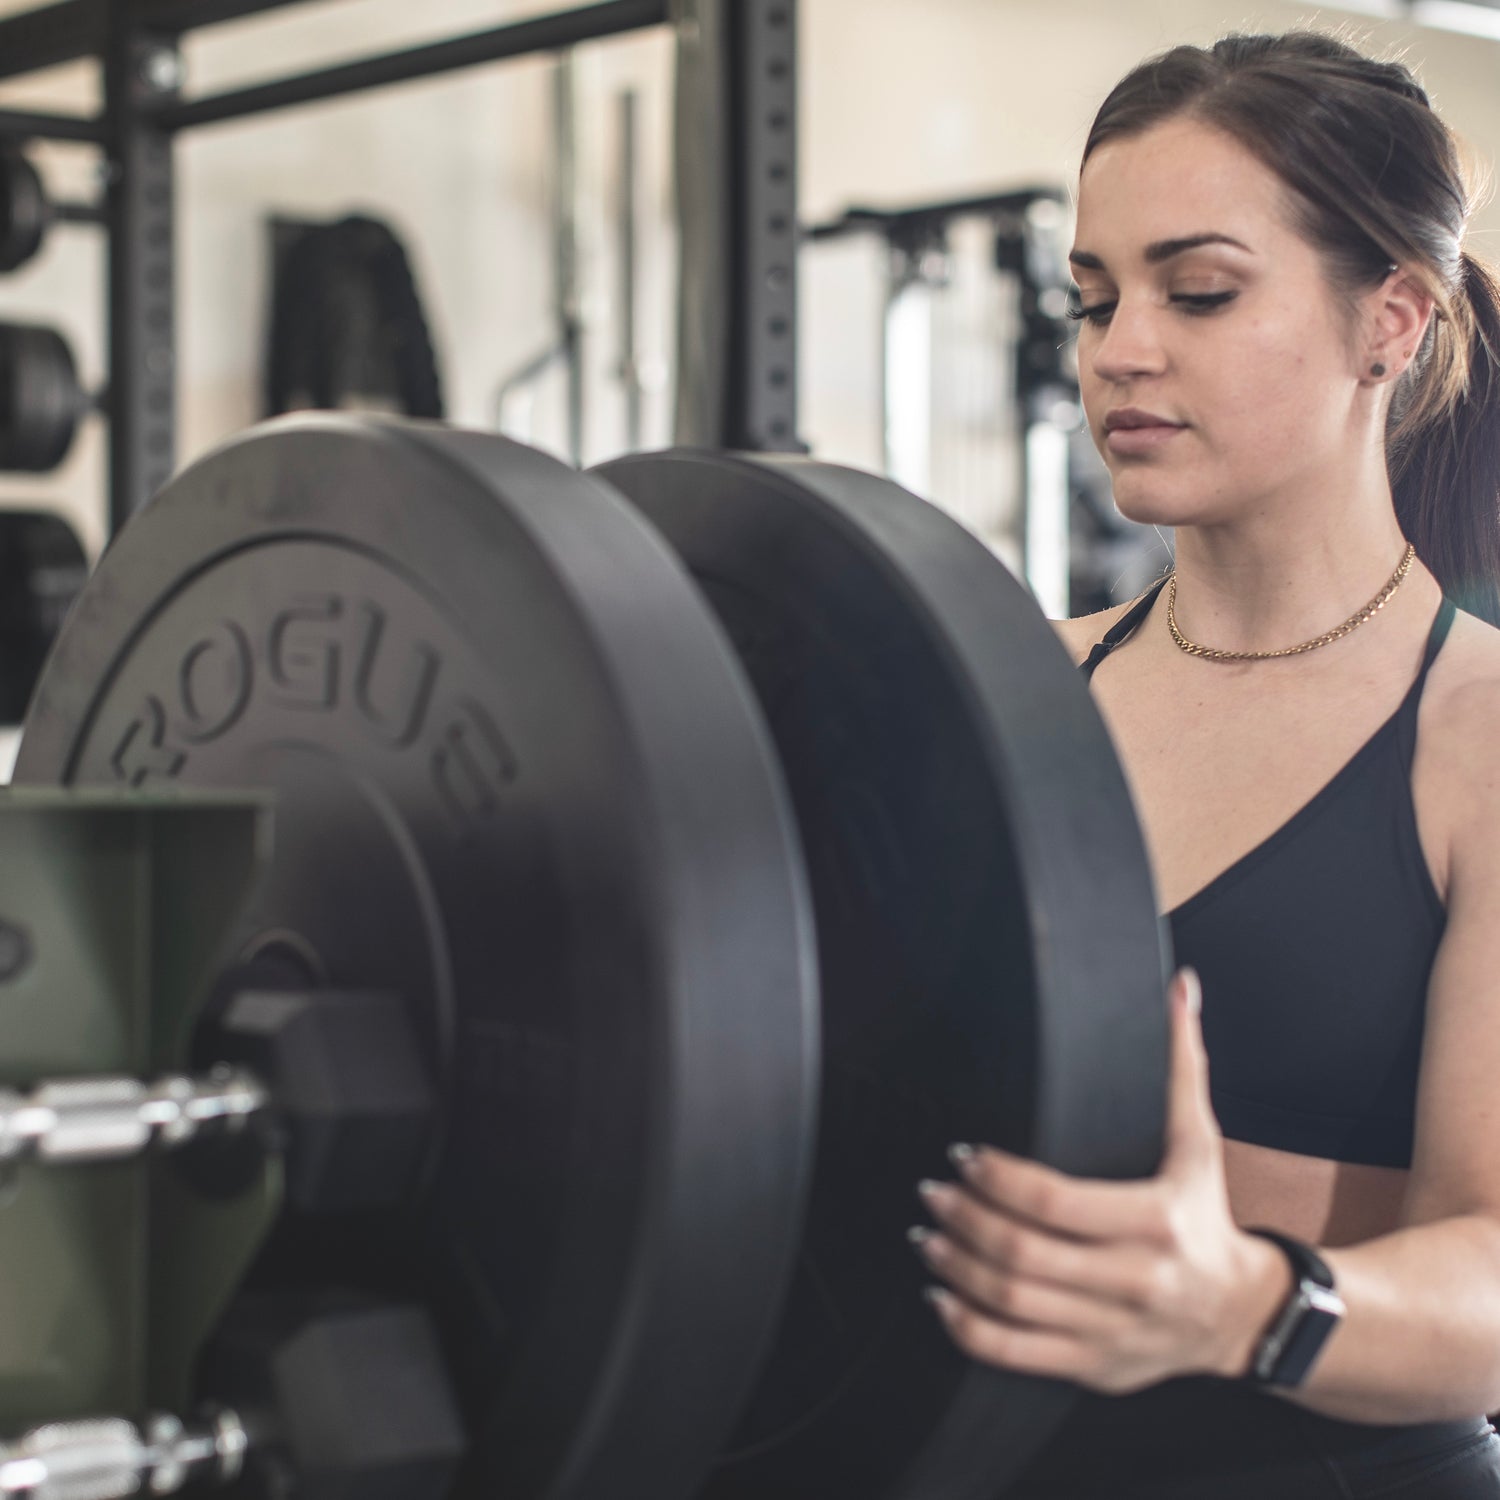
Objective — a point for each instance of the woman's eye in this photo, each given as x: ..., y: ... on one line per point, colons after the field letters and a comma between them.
x: 1097, y: 313
x: 1203, y: 302
x: 1192, y: 303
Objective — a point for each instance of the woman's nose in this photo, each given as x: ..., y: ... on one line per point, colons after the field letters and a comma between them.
x: 1129, y: 345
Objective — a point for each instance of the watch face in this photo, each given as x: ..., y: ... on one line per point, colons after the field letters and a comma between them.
x: 1317, y: 1311
x: 1324, y: 1299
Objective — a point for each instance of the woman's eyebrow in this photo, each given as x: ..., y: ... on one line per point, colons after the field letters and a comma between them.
x: 1163, y: 249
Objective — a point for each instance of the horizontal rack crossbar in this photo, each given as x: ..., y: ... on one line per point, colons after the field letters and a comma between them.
x: 549, y: 33
x: 73, y: 29
x: 31, y: 124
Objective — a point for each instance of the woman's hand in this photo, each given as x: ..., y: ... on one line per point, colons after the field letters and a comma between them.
x: 1114, y: 1285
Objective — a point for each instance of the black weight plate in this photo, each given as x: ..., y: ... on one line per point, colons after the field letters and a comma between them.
x: 520, y: 779
x: 24, y: 210
x: 986, y: 928
x: 40, y: 397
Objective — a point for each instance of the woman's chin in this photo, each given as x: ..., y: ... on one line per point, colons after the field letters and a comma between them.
x: 1149, y: 505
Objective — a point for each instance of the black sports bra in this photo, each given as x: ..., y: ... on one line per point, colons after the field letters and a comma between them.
x: 1315, y: 950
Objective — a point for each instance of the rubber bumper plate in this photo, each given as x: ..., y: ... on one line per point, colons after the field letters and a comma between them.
x: 991, y: 967
x: 521, y: 780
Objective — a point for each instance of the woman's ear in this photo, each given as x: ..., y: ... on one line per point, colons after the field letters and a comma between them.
x: 1398, y: 312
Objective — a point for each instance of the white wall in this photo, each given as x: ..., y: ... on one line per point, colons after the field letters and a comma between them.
x: 929, y: 97
x: 902, y: 100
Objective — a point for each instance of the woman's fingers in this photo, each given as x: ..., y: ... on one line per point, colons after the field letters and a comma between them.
x: 1031, y: 1351
x: 1080, y: 1207
x: 1120, y: 1272
x: 1020, y: 1299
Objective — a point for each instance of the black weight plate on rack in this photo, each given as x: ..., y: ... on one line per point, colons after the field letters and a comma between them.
x: 987, y: 935
x: 41, y: 400
x: 521, y: 780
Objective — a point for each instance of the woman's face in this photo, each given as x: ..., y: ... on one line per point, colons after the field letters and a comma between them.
x: 1214, y: 358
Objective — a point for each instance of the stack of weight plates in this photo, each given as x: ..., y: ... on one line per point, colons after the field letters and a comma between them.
x: 739, y: 837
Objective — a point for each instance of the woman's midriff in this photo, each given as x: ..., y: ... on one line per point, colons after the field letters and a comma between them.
x: 1321, y: 1202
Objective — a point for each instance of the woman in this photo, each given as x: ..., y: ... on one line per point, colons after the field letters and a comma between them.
x: 1286, y: 355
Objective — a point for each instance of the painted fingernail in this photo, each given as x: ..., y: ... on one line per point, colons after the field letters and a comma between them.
x: 1192, y: 991
x: 919, y: 1234
x: 938, y: 1298
x: 961, y: 1154
x: 933, y: 1192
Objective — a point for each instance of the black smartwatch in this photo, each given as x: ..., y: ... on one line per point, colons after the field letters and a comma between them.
x: 1301, y: 1328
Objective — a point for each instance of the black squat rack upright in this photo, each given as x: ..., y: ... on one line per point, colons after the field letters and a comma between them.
x: 736, y: 182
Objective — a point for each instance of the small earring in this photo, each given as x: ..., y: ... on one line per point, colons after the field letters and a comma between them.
x: 1377, y: 369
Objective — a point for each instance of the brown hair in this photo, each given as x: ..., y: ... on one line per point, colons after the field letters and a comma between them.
x: 1377, y: 181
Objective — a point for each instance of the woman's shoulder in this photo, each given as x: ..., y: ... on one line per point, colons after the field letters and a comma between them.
x: 1455, y: 781
x: 1082, y: 633
x: 1459, y: 735
x: 1461, y: 700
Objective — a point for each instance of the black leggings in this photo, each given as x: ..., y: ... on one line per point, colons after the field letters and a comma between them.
x: 1203, y: 1439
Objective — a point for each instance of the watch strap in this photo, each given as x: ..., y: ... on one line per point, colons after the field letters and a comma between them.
x: 1307, y: 1264
x: 1302, y: 1325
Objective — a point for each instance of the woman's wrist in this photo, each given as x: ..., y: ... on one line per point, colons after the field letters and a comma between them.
x: 1262, y: 1282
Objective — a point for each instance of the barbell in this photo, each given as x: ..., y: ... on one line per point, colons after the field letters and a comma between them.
x: 733, y: 835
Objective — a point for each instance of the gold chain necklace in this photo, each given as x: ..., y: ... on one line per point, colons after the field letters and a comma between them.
x: 1367, y: 613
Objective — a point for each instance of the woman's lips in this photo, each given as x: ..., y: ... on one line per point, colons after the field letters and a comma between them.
x: 1127, y: 442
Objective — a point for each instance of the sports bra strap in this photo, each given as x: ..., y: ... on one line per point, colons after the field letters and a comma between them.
x: 1122, y: 629
x: 1442, y: 623
x: 1406, y: 715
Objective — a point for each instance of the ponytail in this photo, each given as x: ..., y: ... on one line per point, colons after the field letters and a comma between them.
x: 1444, y: 448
